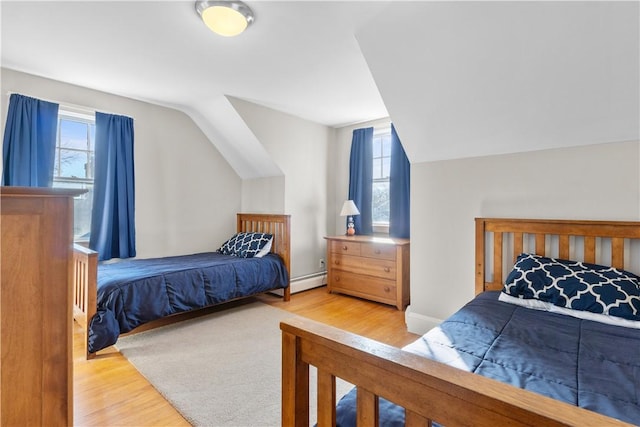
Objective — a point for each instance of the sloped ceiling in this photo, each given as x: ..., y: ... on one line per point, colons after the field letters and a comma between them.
x: 458, y: 79
x: 464, y: 79
x: 300, y: 58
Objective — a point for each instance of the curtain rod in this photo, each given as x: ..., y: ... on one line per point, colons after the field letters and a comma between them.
x: 69, y: 105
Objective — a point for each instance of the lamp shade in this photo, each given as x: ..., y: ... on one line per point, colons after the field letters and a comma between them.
x: 349, y: 208
x: 227, y: 18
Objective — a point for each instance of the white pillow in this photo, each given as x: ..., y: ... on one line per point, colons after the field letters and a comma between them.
x: 265, y: 249
x: 527, y: 303
x: 580, y: 314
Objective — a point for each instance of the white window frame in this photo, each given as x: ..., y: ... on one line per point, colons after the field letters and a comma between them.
x: 381, y: 227
x: 79, y: 116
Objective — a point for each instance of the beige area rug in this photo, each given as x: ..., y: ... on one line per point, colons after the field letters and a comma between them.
x: 223, y: 369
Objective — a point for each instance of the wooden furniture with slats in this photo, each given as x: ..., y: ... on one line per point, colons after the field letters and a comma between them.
x: 374, y: 268
x: 429, y: 390
x: 570, y: 240
x: 35, y: 312
x: 85, y: 264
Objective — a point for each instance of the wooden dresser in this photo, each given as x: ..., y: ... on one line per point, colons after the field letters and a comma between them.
x: 36, y: 368
x: 374, y: 268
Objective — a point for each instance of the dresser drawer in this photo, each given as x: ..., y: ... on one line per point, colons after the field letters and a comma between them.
x: 367, y: 266
x: 342, y: 247
x: 380, y: 251
x: 371, y: 288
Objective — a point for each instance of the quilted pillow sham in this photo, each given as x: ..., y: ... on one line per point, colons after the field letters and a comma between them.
x: 575, y: 285
x: 246, y: 245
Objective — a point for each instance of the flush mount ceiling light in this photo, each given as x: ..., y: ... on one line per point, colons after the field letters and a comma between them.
x: 227, y: 18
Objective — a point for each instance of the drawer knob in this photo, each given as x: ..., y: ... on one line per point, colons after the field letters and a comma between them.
x: 344, y: 248
x: 336, y: 262
x: 377, y: 251
x: 387, y: 269
x: 337, y: 279
x: 387, y: 289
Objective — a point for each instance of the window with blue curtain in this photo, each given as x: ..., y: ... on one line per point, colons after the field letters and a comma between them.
x: 362, y: 180
x: 28, y: 148
x: 113, y: 213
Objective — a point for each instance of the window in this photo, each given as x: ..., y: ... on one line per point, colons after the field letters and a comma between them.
x: 381, y: 169
x: 74, y: 164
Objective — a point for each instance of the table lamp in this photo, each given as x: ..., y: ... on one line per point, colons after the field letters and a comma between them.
x: 349, y: 209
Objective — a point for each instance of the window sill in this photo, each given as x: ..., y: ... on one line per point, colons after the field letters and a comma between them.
x: 381, y: 229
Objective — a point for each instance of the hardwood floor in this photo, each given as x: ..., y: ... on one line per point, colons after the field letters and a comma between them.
x: 108, y: 391
x: 380, y: 322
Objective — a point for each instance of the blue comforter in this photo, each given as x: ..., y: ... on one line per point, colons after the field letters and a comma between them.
x: 133, y: 292
x: 584, y: 363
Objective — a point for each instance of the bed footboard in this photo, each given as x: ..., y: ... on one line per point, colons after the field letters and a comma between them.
x: 428, y: 390
x: 85, y: 273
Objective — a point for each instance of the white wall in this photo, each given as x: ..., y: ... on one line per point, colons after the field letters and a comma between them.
x: 299, y: 148
x: 591, y: 182
x: 187, y: 195
x: 263, y: 195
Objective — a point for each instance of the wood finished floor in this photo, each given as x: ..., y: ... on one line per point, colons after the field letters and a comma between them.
x: 108, y: 391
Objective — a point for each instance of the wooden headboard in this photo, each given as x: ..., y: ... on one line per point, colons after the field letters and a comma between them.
x: 279, y: 226
x: 500, y: 240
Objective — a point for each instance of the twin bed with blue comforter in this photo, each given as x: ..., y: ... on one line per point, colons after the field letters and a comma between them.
x: 115, y: 298
x: 132, y: 293
x: 557, y: 342
x: 581, y: 362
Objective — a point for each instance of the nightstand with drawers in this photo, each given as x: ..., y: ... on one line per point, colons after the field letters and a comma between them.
x: 374, y: 268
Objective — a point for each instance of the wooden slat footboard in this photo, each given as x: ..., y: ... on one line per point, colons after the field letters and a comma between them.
x: 85, y: 265
x: 428, y: 390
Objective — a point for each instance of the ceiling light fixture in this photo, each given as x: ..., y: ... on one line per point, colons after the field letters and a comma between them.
x: 227, y: 18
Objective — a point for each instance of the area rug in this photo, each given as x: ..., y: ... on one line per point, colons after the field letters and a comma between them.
x: 223, y: 369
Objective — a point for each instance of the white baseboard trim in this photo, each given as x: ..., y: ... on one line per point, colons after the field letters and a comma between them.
x: 305, y: 283
x: 419, y: 323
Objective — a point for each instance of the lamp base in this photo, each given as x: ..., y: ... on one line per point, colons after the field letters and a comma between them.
x: 351, y: 227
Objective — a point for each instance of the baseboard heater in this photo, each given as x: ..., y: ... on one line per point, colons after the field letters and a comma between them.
x: 303, y: 283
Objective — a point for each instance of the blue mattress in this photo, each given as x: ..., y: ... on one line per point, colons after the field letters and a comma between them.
x: 134, y: 292
x: 581, y: 362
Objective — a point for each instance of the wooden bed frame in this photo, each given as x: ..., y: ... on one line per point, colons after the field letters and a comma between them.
x: 430, y: 390
x: 85, y: 263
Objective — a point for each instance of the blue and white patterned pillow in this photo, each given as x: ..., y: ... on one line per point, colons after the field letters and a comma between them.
x: 575, y: 285
x: 245, y: 245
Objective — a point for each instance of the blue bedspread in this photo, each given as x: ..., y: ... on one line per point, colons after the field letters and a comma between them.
x: 134, y: 292
x: 584, y: 363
